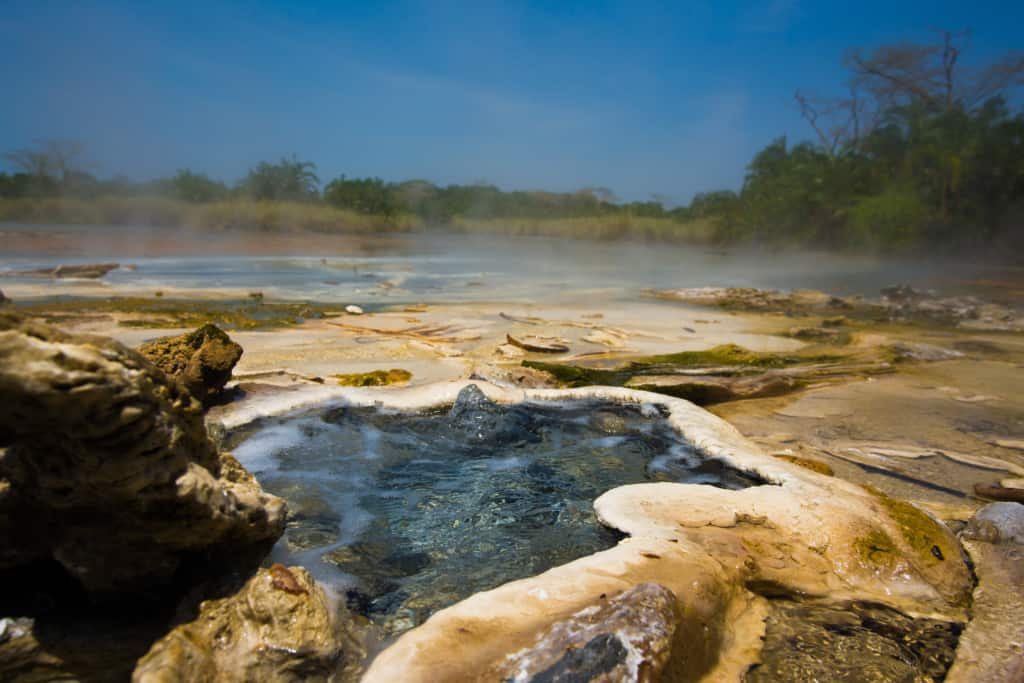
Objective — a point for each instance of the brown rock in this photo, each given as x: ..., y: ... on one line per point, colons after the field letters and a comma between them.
x: 202, y: 360
x: 626, y: 638
x: 106, y: 467
x: 266, y: 632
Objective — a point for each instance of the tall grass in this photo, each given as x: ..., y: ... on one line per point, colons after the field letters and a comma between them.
x: 231, y: 214
x: 604, y: 227
x: 246, y: 214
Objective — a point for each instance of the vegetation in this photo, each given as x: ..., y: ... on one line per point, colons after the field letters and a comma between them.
x: 160, y: 312
x: 921, y: 150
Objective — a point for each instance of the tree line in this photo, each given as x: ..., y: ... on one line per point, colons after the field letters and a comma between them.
x: 921, y: 148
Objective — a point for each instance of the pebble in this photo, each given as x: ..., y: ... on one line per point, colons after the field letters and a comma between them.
x: 353, y: 309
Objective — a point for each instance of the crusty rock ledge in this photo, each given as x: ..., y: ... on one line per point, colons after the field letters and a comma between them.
x: 106, y: 466
x: 719, y: 552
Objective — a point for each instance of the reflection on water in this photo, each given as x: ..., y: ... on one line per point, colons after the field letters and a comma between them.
x: 408, y: 513
x: 858, y: 643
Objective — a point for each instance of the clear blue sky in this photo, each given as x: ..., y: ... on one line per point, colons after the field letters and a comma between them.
x: 670, y: 98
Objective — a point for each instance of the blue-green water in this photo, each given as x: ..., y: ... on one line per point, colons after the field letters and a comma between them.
x: 408, y: 513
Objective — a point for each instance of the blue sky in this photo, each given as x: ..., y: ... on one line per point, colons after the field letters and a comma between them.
x: 644, y: 98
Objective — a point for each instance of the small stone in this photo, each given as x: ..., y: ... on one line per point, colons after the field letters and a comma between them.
x: 353, y: 309
x: 607, y: 641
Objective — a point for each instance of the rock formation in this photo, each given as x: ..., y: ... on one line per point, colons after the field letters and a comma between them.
x: 625, y: 638
x: 202, y: 360
x: 279, y: 627
x: 106, y: 467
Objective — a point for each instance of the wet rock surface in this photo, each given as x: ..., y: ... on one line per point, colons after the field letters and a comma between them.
x: 106, y: 467
x: 992, y: 646
x: 202, y: 360
x: 625, y: 638
x: 896, y: 303
x: 279, y: 627
x: 860, y: 643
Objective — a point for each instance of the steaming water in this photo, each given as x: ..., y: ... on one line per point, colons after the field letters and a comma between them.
x: 437, y: 267
x: 408, y: 513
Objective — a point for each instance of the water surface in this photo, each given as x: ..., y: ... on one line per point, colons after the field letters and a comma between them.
x: 408, y: 513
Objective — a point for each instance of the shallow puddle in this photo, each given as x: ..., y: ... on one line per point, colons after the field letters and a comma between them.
x: 406, y: 513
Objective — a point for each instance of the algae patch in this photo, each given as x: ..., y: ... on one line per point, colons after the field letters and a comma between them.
x: 807, y: 463
x: 374, y: 378
x: 877, y: 548
x: 928, y: 538
x: 162, y: 312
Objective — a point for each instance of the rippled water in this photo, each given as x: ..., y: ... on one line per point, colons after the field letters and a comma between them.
x: 408, y: 513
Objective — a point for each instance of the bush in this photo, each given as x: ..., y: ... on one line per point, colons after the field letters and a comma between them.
x: 891, y: 220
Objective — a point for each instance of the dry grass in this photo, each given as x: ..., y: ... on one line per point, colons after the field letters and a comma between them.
x: 607, y: 227
x: 231, y: 214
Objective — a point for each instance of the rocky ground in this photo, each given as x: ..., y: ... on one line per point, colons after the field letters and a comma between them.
x: 111, y: 486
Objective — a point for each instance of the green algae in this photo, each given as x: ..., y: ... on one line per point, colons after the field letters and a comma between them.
x: 163, y: 312
x: 733, y: 355
x: 374, y: 378
x: 929, y: 540
x: 807, y: 463
x: 877, y: 548
x: 736, y: 358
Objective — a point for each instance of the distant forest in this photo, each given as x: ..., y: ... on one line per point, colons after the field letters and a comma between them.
x: 922, y: 149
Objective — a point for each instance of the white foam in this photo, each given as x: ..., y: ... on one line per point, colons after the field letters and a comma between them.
x: 258, y: 453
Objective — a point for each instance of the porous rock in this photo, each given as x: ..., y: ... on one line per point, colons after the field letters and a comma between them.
x: 279, y: 627
x: 106, y: 467
x: 202, y: 360
x: 625, y: 638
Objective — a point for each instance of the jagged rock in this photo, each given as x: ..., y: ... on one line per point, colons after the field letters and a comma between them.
x: 279, y: 627
x: 202, y: 360
x: 626, y: 638
x: 106, y: 467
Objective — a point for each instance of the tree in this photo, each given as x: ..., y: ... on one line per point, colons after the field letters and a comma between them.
x: 289, y: 179
x: 933, y: 74
x: 52, y: 163
x: 196, y: 187
x: 364, y: 195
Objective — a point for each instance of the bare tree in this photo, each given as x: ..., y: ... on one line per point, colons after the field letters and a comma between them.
x: 933, y: 74
x: 55, y: 159
x: 839, y: 123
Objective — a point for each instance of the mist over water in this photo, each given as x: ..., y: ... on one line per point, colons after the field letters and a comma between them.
x: 448, y: 267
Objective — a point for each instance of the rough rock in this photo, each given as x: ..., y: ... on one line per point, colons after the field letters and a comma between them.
x: 3, y: 299
x: 991, y: 648
x: 279, y: 627
x: 106, y: 467
x: 202, y: 360
x: 626, y: 638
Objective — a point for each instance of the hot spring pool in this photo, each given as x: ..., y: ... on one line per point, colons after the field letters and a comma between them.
x: 407, y: 513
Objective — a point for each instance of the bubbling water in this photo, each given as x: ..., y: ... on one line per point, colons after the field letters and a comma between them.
x: 406, y: 513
